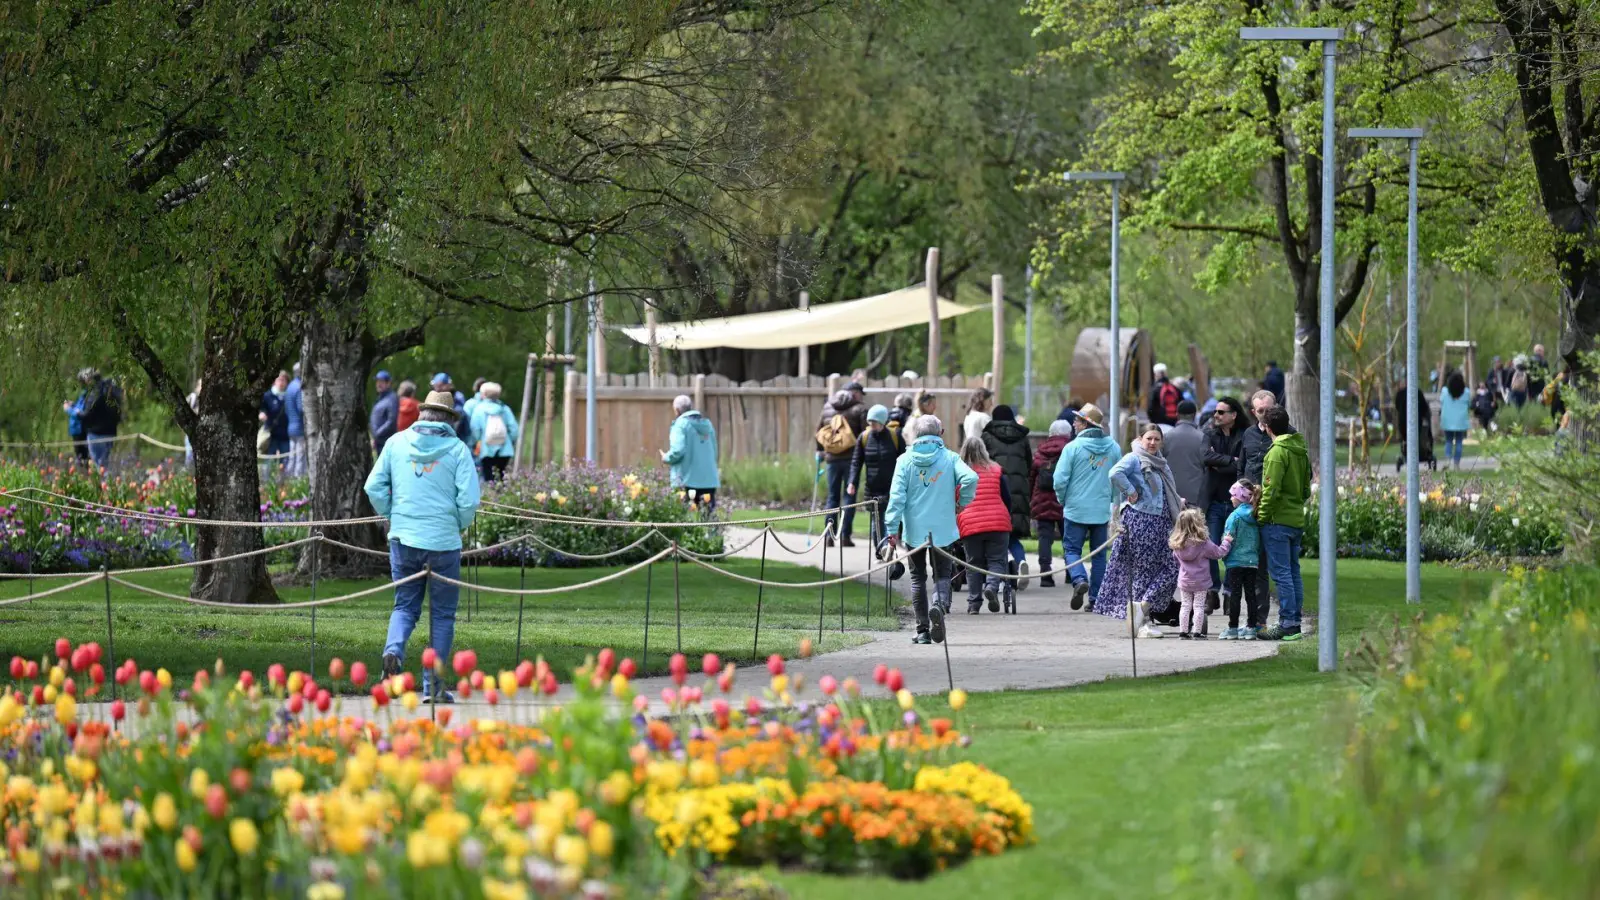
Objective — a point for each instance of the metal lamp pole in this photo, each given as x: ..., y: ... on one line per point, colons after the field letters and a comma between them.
x: 1328, y: 541
x: 1412, y: 137
x: 1116, y: 179
x: 589, y: 429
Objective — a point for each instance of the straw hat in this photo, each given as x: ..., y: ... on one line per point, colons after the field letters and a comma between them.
x: 1091, y: 414
x: 443, y: 401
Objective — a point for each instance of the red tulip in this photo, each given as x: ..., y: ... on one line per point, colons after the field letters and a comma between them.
x: 336, y: 668
x: 275, y: 675
x: 895, y: 682
x: 246, y: 680
x: 492, y: 696
x: 430, y: 658
x: 32, y: 670
x: 463, y: 688
x: 710, y: 665
x: 63, y: 648
x: 380, y: 696
x: 239, y: 779
x: 476, y: 678
x: 725, y: 680
x: 408, y: 681
x: 309, y: 689
x: 752, y: 706
x: 607, y: 659
x: 775, y: 664
x: 18, y: 667
x: 70, y: 687
x: 358, y: 674
x: 828, y: 685
x: 118, y: 710
x: 38, y: 695
x: 549, y: 684
x: 880, y: 673
x: 296, y: 703
x: 324, y: 700
x: 679, y: 667
x: 147, y: 682
x: 524, y: 673
x: 216, y: 801
x: 628, y: 668
x: 465, y: 662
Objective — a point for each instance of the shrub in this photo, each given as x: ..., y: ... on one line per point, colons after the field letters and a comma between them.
x: 1467, y: 769
x: 1459, y: 519
x: 782, y: 480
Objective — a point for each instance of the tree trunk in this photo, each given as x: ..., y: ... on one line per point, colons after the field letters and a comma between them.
x: 336, y: 355
x: 228, y: 487
x: 1302, y: 392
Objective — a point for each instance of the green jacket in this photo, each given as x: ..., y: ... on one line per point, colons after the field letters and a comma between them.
x: 1285, y: 482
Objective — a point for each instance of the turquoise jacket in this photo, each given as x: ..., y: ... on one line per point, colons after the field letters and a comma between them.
x: 1246, y: 534
x: 1128, y: 477
x: 482, y: 410
x: 1083, y: 478
x: 693, y: 453
x: 425, y: 484
x: 930, y: 484
x: 1455, y: 413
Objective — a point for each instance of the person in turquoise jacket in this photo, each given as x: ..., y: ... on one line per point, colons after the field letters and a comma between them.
x: 1242, y: 582
x: 425, y: 484
x: 1082, y: 483
x: 495, y: 445
x: 692, y: 454
x: 1455, y: 415
x: 931, y: 484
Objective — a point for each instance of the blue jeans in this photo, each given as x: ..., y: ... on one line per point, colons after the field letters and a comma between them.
x: 1282, y: 543
x: 1017, y: 553
x: 1216, y: 519
x: 100, y: 448
x: 1049, y: 533
x: 405, y: 561
x: 838, y: 477
x: 1452, y: 445
x: 1073, y: 536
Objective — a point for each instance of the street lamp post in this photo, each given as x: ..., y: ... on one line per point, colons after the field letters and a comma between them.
x: 1412, y: 137
x: 1328, y: 541
x: 1115, y: 394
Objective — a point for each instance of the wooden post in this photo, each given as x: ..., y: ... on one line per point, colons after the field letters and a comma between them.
x: 600, y: 368
x: 655, y: 348
x: 805, y: 352
x: 549, y: 388
x: 522, y: 420
x: 700, y: 393
x: 932, y: 276
x: 997, y: 299
x: 569, y: 417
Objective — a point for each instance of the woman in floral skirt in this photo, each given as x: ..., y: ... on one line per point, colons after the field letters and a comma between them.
x: 1142, y: 570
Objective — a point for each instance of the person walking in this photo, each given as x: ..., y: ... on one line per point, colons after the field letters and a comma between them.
x: 102, y: 414
x: 1273, y: 381
x: 74, y: 410
x: 900, y: 415
x: 1424, y: 428
x: 1142, y: 574
x: 1185, y: 449
x: 408, y: 405
x: 1164, y: 398
x: 985, y: 526
x: 692, y: 454
x: 1455, y: 415
x: 930, y: 487
x: 1519, y: 382
x: 274, y: 417
x: 1082, y: 485
x: 294, y: 408
x: 1224, y: 444
x: 979, y: 404
x: 1193, y: 548
x: 1006, y: 439
x: 843, y: 419
x: 875, y: 457
x: 1538, y: 373
x: 494, y: 432
x: 441, y: 383
x: 385, y: 417
x: 1253, y: 446
x: 1484, y: 406
x: 1285, y: 485
x: 476, y: 398
x: 424, y: 483
x: 927, y: 404
x: 1043, y: 504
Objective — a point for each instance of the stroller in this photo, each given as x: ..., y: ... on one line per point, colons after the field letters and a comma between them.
x: 1425, y: 455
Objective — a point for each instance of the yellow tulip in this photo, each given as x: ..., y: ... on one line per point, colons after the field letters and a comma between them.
x: 184, y: 855
x: 164, y: 812
x: 244, y: 837
x: 286, y: 781
x: 601, y: 839
x: 325, y: 890
x: 571, y: 851
x: 199, y: 780
x: 958, y: 699
x: 508, y: 683
x: 164, y: 678
x: 410, y: 700
x: 905, y: 699
x: 58, y: 675
x: 66, y: 709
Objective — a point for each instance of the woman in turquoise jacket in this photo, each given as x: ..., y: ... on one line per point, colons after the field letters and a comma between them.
x: 1455, y: 415
x: 930, y: 485
x: 493, y: 445
x: 692, y: 454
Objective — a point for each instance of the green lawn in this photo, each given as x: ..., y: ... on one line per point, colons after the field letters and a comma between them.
x: 1126, y: 777
x: 718, y: 616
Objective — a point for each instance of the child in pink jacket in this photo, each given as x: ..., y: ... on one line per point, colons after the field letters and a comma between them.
x: 1193, y: 548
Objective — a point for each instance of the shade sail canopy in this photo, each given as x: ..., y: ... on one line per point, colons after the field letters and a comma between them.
x: 784, y: 328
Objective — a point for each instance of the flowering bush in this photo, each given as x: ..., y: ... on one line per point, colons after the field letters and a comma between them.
x: 41, y: 538
x: 589, y: 492
x: 1458, y: 520
x: 234, y: 786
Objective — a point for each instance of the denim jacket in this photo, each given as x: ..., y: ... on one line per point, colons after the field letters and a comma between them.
x: 1127, y: 478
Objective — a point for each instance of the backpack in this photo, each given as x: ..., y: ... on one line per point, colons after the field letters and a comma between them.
x: 494, y: 430
x: 1519, y: 381
x: 894, y: 428
x: 103, y: 408
x: 836, y: 437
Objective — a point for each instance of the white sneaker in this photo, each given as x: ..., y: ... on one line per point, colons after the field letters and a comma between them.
x: 1150, y: 631
x: 1022, y: 582
x: 1136, y: 616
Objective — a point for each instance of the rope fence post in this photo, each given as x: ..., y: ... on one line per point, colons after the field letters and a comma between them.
x: 842, y: 586
x: 649, y: 578
x: 430, y: 679
x: 755, y: 646
x: 872, y: 550
x: 822, y: 591
x: 677, y: 595
x: 522, y: 584
x: 30, y: 576
x: 111, y: 646
x: 466, y: 568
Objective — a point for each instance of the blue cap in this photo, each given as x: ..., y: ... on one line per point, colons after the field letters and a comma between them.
x: 440, y: 378
x: 383, y: 375
x: 879, y: 414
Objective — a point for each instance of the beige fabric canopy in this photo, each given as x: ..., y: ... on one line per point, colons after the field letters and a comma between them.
x: 781, y: 329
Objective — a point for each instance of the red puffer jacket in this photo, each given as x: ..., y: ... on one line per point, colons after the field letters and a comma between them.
x: 1043, y: 504
x: 987, y: 511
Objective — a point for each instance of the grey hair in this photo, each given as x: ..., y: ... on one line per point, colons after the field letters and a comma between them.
x: 1060, y: 428
x: 434, y: 415
x: 975, y: 454
x: 682, y: 403
x: 925, y: 425
x: 904, y: 400
x: 490, y: 390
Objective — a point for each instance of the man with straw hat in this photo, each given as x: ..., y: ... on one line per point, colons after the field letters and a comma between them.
x: 1083, y: 485
x: 425, y: 484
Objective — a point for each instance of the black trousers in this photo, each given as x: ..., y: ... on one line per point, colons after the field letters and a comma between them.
x: 988, y: 550
x: 1242, y: 583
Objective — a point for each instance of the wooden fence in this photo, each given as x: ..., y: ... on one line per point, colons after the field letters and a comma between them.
x: 752, y: 418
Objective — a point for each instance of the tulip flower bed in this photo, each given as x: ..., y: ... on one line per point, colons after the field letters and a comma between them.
x: 1459, y: 520
x: 234, y: 786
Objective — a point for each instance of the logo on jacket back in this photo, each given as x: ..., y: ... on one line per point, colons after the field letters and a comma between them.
x: 420, y: 469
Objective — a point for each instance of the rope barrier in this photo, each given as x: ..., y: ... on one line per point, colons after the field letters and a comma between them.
x: 258, y: 607
x: 195, y: 564
x: 102, y: 509
x: 821, y: 540
x: 55, y: 590
x: 116, y: 438
x: 532, y: 592
x: 595, y: 556
x: 506, y: 511
x: 1007, y: 576
x: 727, y: 553
x: 353, y: 547
x: 801, y: 584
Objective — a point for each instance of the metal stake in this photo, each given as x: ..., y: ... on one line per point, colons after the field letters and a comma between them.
x: 945, y: 643
x: 677, y: 596
x: 522, y: 583
x: 111, y: 646
x: 761, y: 586
x: 822, y: 592
x: 644, y: 658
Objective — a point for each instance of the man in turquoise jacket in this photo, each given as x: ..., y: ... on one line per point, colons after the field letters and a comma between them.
x: 931, y: 484
x: 692, y: 454
x: 1083, y: 485
x: 425, y: 484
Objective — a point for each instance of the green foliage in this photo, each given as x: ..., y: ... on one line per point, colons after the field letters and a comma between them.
x: 783, y: 480
x: 1459, y: 519
x: 1466, y: 766
x: 1563, y: 482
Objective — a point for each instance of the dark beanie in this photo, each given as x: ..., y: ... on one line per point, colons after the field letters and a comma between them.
x: 1003, y: 413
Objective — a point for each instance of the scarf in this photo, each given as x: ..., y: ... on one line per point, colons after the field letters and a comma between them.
x: 1154, y: 467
